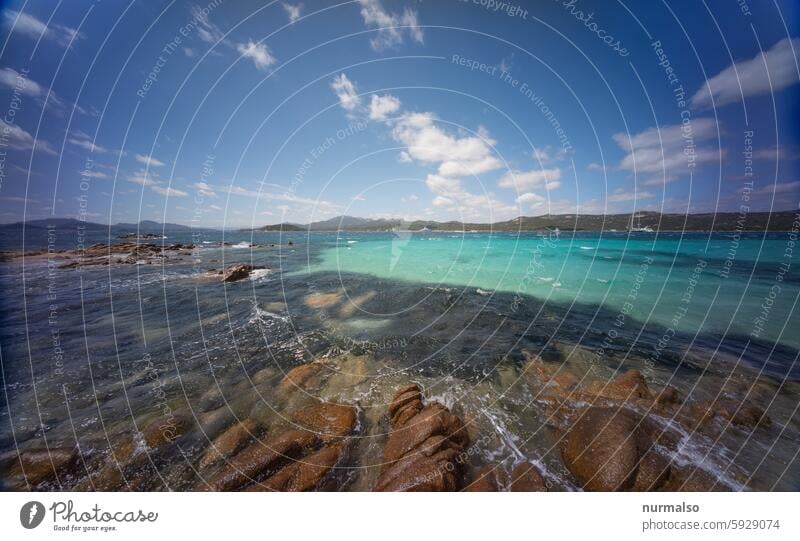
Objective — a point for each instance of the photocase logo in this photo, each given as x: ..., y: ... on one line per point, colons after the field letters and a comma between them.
x: 31, y: 514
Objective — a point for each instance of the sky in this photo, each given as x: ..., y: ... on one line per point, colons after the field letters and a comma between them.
x: 231, y: 114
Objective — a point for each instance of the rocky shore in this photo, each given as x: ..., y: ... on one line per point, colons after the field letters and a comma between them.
x: 135, y: 253
x: 303, y: 434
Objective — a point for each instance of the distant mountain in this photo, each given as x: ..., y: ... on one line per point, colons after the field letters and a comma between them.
x: 721, y: 221
x: 145, y: 226
x: 149, y: 226
x: 60, y: 223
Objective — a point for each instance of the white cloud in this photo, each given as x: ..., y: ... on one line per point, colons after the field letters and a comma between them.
x: 83, y: 141
x: 293, y: 11
x: 94, y: 174
x: 149, y: 160
x: 30, y: 26
x: 595, y: 167
x: 523, y: 180
x: 390, y: 26
x: 457, y: 156
x: 622, y: 196
x: 19, y: 139
x: 547, y: 155
x: 529, y: 198
x: 140, y: 177
x: 440, y: 201
x: 204, y: 189
x: 382, y: 106
x: 777, y: 188
x: 346, y: 92
x: 26, y: 86
x: 667, y: 150
x: 12, y: 79
x: 169, y: 192
x: 777, y: 153
x: 206, y: 30
x: 775, y: 67
x: 258, y: 53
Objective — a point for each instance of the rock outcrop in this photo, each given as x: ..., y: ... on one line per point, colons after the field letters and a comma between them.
x: 30, y: 468
x: 425, y: 448
x: 296, y: 459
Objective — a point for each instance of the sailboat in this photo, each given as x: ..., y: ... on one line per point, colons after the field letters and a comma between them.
x: 639, y: 228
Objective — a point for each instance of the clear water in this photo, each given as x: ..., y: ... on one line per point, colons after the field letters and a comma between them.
x: 723, y: 282
x: 89, y: 354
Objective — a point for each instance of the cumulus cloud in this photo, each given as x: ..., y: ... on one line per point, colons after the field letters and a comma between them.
x: 346, y: 92
x: 668, y: 150
x: 258, y: 53
x: 523, y: 180
x: 456, y: 156
x: 19, y: 139
x: 293, y: 11
x: 769, y: 71
x: 529, y: 199
x: 31, y: 27
x: 382, y: 106
x: 390, y: 26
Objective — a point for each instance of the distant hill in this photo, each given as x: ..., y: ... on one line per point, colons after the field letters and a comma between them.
x: 145, y: 226
x: 149, y: 226
x: 722, y: 221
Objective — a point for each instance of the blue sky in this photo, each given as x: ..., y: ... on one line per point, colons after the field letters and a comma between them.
x: 220, y: 113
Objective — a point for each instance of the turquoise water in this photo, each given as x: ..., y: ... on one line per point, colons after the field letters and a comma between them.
x: 695, y: 283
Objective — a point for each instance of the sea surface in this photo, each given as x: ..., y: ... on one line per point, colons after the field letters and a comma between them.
x: 83, y: 350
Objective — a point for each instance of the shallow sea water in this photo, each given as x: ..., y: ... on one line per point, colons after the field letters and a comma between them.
x: 86, y: 354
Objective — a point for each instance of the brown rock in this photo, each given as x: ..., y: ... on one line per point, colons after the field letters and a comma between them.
x: 606, y: 449
x: 727, y: 409
x: 232, y: 440
x: 237, y: 272
x: 30, y: 467
x: 260, y: 459
x: 526, y: 478
x: 628, y: 386
x: 689, y: 479
x: 487, y: 479
x: 423, y: 452
x: 328, y: 420
x: 296, y: 378
x: 304, y: 474
x: 165, y: 430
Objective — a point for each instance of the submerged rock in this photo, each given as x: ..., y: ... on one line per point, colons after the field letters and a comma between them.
x: 261, y: 458
x: 31, y: 467
x: 232, y: 440
x: 297, y: 459
x: 297, y: 378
